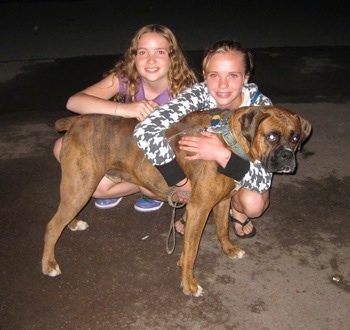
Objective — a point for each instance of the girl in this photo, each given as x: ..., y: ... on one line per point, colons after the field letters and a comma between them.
x: 152, y: 71
x: 227, y: 69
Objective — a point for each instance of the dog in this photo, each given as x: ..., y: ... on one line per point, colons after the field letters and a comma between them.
x: 95, y: 145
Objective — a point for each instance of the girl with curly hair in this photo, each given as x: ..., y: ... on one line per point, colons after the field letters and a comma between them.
x: 152, y: 71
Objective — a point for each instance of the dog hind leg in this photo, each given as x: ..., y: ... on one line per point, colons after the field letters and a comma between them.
x: 76, y: 190
x: 76, y: 225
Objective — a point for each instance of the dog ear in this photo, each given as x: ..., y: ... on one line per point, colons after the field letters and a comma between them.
x: 250, y: 122
x: 305, y: 130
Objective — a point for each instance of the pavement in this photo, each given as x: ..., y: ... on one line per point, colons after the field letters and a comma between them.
x: 117, y: 274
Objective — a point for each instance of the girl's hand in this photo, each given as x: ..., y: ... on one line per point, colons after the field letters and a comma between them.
x: 208, y: 146
x: 183, y: 189
x: 139, y: 110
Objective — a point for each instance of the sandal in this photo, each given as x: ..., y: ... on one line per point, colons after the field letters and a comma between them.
x: 243, y: 224
x: 183, y: 222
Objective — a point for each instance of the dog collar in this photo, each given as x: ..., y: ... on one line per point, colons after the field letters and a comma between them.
x: 220, y: 125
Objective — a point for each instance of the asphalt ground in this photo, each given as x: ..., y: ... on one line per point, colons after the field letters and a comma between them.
x: 117, y: 274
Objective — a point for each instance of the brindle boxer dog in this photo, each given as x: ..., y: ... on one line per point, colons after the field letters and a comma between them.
x: 98, y: 144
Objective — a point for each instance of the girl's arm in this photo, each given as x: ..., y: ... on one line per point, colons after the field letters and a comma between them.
x: 96, y: 99
x: 150, y: 133
x: 208, y: 146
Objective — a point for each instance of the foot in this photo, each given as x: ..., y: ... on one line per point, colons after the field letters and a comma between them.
x: 180, y: 226
x: 146, y: 204
x: 107, y: 203
x: 243, y: 229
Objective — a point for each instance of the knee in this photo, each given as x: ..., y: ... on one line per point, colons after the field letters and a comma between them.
x: 102, y: 188
x: 254, y: 204
x: 57, y: 148
x: 99, y: 192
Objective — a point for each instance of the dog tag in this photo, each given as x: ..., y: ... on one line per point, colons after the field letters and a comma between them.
x: 215, y: 120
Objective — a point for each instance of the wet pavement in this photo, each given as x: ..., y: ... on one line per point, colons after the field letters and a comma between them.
x: 118, y: 275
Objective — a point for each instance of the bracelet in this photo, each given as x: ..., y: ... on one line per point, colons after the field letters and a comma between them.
x: 182, y: 184
x: 115, y: 110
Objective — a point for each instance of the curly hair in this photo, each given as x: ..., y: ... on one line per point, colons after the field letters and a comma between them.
x: 180, y: 75
x: 225, y: 46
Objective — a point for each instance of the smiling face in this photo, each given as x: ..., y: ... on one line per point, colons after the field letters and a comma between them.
x: 225, y: 76
x: 152, y: 58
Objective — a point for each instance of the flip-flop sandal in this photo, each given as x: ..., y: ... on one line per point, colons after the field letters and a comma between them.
x: 243, y: 224
x: 183, y: 222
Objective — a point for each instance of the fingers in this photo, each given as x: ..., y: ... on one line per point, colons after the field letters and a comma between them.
x: 191, y: 144
x: 183, y: 197
x: 206, y: 146
x: 146, y: 107
x: 189, y: 140
x: 153, y: 104
x: 208, y: 134
x: 183, y: 189
x: 139, y: 110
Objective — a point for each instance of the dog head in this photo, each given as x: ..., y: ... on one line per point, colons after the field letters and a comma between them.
x: 273, y: 135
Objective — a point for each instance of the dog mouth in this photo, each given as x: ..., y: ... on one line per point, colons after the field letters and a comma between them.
x: 285, y: 169
x: 281, y: 161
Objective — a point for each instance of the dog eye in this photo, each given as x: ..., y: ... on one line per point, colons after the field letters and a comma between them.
x: 272, y: 137
x: 295, y: 138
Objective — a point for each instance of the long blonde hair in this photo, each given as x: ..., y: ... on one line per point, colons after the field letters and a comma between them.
x: 180, y: 75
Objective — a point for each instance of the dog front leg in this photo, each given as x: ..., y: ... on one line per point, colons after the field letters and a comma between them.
x: 221, y: 212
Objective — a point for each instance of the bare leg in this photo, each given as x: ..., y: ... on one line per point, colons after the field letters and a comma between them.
x: 109, y: 189
x: 57, y: 148
x: 248, y: 204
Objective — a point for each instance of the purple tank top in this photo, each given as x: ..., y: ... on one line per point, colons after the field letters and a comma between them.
x: 161, y: 99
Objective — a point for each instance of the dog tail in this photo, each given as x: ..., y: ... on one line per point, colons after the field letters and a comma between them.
x: 64, y: 124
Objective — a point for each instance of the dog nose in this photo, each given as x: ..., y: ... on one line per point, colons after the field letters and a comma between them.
x: 286, y: 155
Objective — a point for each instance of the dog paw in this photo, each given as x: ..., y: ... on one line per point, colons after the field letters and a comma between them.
x: 54, y: 272
x: 240, y: 254
x: 78, y: 225
x: 237, y: 255
x: 199, y: 292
